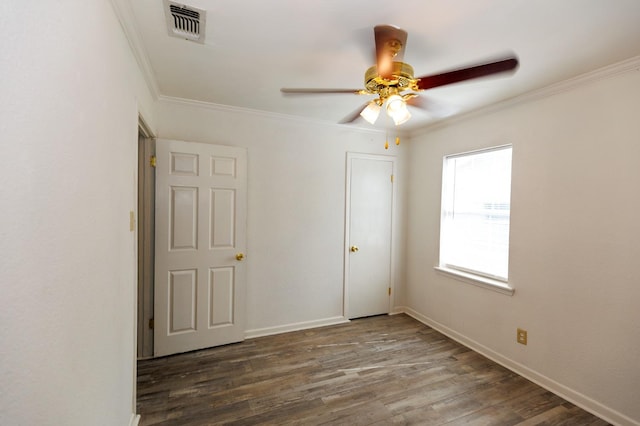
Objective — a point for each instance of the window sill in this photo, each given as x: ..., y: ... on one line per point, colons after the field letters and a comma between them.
x: 477, y: 280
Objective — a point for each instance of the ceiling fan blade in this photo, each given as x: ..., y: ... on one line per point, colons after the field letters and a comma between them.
x: 435, y: 109
x: 477, y: 71
x: 390, y: 43
x: 418, y: 102
x: 354, y: 115
x: 306, y: 91
x: 362, y: 38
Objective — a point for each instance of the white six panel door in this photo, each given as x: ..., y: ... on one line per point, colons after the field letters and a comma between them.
x: 200, y: 242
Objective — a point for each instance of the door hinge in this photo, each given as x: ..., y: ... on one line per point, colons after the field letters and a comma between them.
x: 152, y: 161
x: 151, y: 323
x: 391, y: 178
x: 389, y: 291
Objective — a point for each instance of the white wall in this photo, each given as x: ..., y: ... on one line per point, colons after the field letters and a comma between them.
x: 296, y: 205
x: 70, y: 92
x: 575, y: 242
x: 68, y: 119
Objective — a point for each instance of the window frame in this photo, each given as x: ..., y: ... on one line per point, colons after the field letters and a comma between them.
x: 477, y: 278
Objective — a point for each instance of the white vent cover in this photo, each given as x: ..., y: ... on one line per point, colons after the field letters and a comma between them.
x: 184, y: 21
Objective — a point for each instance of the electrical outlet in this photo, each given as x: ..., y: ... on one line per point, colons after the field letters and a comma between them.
x: 522, y: 336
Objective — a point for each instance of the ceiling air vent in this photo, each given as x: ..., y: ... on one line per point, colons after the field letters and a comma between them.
x: 184, y: 21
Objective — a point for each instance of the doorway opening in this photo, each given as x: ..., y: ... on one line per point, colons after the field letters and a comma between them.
x: 146, y: 242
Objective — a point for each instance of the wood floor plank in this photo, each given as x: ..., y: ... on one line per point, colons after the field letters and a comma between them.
x: 386, y: 370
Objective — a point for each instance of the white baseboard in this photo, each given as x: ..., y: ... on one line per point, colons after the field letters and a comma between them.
x: 134, y: 420
x: 575, y: 397
x: 397, y: 310
x: 268, y: 331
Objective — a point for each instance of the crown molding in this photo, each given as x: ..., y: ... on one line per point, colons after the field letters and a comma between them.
x: 266, y: 114
x: 628, y: 65
x: 124, y: 13
x: 632, y: 64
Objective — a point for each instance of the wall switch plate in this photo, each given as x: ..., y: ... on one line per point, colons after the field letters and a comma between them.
x: 522, y: 336
x: 132, y: 221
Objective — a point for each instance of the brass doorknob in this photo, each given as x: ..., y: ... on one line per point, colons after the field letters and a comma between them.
x: 239, y: 256
x: 354, y: 249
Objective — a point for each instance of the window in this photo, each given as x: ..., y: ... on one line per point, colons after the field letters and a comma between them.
x: 476, y: 204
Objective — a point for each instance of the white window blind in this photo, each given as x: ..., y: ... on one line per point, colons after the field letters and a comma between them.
x: 476, y: 205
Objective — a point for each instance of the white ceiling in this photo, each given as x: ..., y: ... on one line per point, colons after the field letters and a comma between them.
x: 255, y: 47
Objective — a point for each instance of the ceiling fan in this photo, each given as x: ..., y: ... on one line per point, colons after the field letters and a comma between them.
x: 392, y: 80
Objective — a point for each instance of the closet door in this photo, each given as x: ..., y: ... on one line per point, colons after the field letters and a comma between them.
x: 369, y: 219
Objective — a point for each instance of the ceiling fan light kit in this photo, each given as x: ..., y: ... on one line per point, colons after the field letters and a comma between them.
x: 393, y: 82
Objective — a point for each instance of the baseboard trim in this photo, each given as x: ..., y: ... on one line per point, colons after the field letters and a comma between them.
x: 134, y: 420
x: 268, y: 331
x: 575, y: 397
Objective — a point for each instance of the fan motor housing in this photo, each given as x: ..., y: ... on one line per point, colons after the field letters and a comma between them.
x: 402, y: 79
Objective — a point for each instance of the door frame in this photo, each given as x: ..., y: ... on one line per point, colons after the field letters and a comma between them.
x: 144, y: 131
x: 347, y: 224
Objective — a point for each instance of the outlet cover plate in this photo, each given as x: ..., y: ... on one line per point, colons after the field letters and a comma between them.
x: 522, y: 336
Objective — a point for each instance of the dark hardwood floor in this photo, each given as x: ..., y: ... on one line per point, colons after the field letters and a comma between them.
x: 374, y: 371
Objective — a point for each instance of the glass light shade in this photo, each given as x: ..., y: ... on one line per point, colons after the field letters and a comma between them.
x: 371, y: 112
x: 401, y: 117
x: 397, y: 109
x: 394, y: 103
